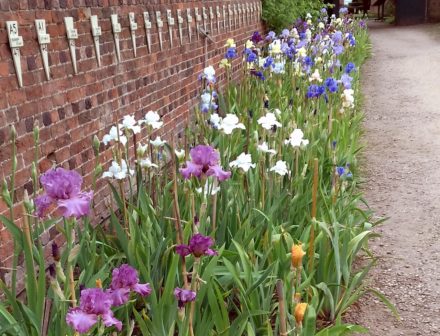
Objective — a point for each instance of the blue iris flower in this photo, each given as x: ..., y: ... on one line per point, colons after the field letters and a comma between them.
x: 314, y: 91
x: 231, y: 53
x: 331, y: 84
x: 268, y: 62
x: 350, y: 67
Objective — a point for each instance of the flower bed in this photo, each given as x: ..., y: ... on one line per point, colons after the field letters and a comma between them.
x: 247, y: 224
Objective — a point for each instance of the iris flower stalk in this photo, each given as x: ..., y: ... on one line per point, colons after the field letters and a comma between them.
x: 177, y: 220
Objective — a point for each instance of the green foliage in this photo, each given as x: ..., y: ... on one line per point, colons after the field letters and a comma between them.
x: 280, y: 14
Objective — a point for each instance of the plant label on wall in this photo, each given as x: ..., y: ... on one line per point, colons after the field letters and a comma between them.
x: 248, y: 13
x: 72, y: 35
x: 147, y: 23
x: 198, y: 20
x: 170, y: 20
x: 240, y: 16
x: 231, y: 16
x: 159, y: 28
x: 133, y: 28
x: 235, y: 15
x: 205, y: 18
x: 180, y: 23
x: 225, y: 22
x: 116, y: 28
x: 15, y: 42
x: 219, y: 18
x: 190, y: 20
x: 252, y: 11
x: 96, y: 33
x: 43, y: 41
x: 211, y: 19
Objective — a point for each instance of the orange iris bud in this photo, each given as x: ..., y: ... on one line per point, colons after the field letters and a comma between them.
x: 98, y: 283
x: 300, y: 310
x: 297, y: 255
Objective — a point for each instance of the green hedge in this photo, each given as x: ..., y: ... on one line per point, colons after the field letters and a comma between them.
x: 279, y: 14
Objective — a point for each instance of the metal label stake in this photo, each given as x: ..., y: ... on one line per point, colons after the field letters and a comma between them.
x: 205, y: 18
x: 240, y: 16
x: 159, y: 28
x: 248, y: 13
x: 116, y: 28
x: 252, y: 11
x: 211, y: 19
x: 190, y: 20
x: 235, y: 16
x: 225, y: 21
x: 219, y: 17
x: 96, y: 33
x: 180, y: 23
x: 72, y: 35
x: 170, y: 20
x: 231, y: 16
x: 147, y: 23
x: 198, y: 20
x: 15, y: 42
x: 43, y: 41
x: 133, y: 28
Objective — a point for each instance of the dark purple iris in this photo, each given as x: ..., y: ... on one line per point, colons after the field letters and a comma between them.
x: 184, y: 296
x: 258, y: 74
x: 256, y: 37
x: 199, y: 245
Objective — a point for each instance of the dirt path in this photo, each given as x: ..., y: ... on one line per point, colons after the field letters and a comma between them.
x: 401, y: 83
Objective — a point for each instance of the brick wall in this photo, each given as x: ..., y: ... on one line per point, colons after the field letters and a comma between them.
x: 70, y: 108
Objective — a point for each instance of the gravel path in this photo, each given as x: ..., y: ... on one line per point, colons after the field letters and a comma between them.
x: 401, y: 84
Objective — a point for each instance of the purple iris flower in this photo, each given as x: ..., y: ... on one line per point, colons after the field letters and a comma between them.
x: 343, y: 11
x: 231, y: 53
x: 337, y: 36
x: 331, y: 84
x: 256, y: 37
x: 271, y: 35
x: 199, y: 245
x: 124, y: 280
x: 63, y: 187
x: 184, y: 296
x: 204, y: 162
x: 346, y: 81
x: 285, y: 33
x: 314, y: 91
x: 94, y: 304
x: 362, y: 24
x: 338, y: 49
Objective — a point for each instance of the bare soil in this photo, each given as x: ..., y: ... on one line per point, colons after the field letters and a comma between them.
x: 401, y: 84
